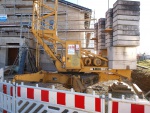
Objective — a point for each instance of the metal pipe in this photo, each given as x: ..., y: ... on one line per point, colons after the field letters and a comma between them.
x: 108, y: 4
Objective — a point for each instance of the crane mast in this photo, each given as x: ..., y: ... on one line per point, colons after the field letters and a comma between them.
x: 42, y: 33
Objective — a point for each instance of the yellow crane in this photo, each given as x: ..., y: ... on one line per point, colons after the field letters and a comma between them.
x: 74, y: 63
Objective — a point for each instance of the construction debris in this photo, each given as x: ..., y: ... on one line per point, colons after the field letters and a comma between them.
x: 120, y: 87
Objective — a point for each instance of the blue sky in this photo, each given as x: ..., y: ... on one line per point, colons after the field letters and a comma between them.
x: 101, y: 6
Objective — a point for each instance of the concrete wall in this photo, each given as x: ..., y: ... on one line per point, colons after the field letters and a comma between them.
x: 4, y: 48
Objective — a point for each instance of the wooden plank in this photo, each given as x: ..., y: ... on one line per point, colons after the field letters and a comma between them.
x: 137, y: 89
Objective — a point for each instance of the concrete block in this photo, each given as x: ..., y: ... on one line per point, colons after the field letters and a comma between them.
x: 109, y: 23
x: 126, y: 17
x: 101, y: 31
x: 109, y: 37
x: 126, y: 27
x: 128, y: 33
x: 124, y: 22
x: 125, y: 43
x: 126, y: 38
x: 108, y: 26
x: 109, y: 40
x: 108, y: 33
x: 101, y: 20
x: 126, y: 12
x: 101, y: 35
x: 124, y: 2
x: 109, y: 20
x: 111, y: 33
x: 122, y: 64
x: 101, y: 26
x: 101, y: 44
x: 122, y: 53
x: 101, y: 40
x: 109, y: 15
x: 108, y: 45
x: 101, y: 47
x: 126, y: 7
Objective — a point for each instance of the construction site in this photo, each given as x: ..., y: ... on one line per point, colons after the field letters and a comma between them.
x: 56, y: 57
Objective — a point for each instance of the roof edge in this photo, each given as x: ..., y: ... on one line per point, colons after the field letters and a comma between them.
x: 75, y: 5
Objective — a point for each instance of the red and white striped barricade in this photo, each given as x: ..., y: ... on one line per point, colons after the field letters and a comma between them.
x: 7, y: 97
x: 128, y: 106
x: 51, y: 100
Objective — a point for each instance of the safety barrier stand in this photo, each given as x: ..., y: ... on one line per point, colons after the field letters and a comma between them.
x: 20, y: 98
x: 128, y: 106
x: 7, y: 97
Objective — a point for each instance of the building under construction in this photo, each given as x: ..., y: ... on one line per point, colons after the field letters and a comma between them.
x: 73, y: 24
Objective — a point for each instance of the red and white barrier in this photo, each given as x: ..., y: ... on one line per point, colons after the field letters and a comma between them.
x: 85, y: 102
x: 7, y: 97
x: 28, y: 99
x: 128, y: 106
x: 6, y: 88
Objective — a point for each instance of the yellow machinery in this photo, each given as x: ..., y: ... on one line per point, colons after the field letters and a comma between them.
x: 85, y: 66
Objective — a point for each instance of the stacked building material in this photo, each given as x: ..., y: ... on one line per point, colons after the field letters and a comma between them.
x: 96, y: 36
x: 126, y: 38
x: 101, y: 34
x: 126, y: 15
x: 108, y: 25
x: 122, y: 57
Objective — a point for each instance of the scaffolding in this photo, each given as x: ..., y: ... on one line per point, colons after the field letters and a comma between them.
x: 74, y: 22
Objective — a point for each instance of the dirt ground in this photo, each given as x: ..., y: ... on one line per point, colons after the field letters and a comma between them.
x: 141, y: 76
x: 142, y: 79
